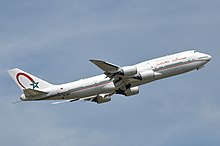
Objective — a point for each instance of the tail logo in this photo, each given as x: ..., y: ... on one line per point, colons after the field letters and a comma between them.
x: 33, y: 83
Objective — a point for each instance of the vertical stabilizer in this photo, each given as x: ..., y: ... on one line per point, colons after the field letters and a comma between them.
x: 27, y: 81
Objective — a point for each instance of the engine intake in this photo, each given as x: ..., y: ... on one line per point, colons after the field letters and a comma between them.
x: 101, y: 99
x: 128, y: 71
x: 131, y: 91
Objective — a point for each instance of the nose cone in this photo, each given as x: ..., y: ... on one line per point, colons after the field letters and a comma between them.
x: 209, y: 57
x: 204, y: 57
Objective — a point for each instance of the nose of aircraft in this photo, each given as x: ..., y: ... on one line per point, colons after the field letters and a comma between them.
x: 205, y: 57
x: 209, y: 57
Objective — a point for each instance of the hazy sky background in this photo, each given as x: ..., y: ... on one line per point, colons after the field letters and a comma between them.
x: 55, y: 40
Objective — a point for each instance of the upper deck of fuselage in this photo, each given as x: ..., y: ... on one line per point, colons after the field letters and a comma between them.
x: 153, y: 61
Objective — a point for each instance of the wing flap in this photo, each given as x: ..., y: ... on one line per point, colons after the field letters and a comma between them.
x: 65, y: 101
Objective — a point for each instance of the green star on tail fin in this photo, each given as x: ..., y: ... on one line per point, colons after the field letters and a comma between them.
x: 35, y: 85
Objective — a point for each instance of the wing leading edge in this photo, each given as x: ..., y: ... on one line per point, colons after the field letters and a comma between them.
x: 105, y: 66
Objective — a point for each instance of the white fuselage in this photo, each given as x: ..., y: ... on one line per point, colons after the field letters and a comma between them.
x: 162, y: 67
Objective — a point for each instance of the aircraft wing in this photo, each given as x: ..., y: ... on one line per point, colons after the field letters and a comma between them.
x: 105, y: 66
x: 110, y: 70
x: 115, y: 73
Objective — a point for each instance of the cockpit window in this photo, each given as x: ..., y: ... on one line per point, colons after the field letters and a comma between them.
x: 195, y: 51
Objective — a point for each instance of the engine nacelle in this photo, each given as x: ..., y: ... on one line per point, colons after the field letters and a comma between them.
x: 131, y: 91
x: 128, y: 71
x: 101, y: 99
x: 146, y: 75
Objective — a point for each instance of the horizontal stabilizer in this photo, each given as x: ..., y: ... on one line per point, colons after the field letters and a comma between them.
x: 30, y: 93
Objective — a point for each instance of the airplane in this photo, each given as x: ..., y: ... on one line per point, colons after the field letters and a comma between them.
x: 115, y: 79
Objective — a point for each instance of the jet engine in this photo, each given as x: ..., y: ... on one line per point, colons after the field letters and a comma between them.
x: 131, y: 91
x: 128, y: 71
x: 101, y: 99
x: 145, y: 75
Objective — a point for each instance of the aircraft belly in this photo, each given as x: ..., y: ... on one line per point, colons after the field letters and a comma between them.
x: 138, y: 83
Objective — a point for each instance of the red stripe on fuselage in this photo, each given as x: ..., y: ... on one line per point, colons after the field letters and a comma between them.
x: 90, y: 86
x: 184, y: 63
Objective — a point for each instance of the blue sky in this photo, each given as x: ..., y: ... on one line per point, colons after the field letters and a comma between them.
x: 55, y: 40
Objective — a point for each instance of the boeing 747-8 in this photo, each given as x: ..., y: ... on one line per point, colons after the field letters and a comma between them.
x: 115, y: 80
